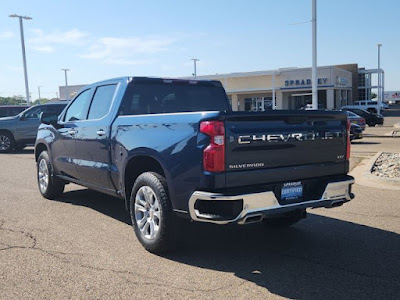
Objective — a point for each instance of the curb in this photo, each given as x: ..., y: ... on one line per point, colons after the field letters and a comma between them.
x: 363, y: 176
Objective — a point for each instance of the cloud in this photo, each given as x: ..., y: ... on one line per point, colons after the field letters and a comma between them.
x: 6, y: 35
x: 46, y: 42
x: 43, y: 49
x: 126, y: 50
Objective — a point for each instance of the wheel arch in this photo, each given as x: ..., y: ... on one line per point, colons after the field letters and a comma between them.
x: 39, y: 148
x: 134, y: 167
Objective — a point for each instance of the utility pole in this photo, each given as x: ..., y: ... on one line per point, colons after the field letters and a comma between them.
x: 314, y: 56
x: 66, y: 81
x: 379, y: 79
x: 21, y: 28
x: 194, y: 64
x: 39, y: 92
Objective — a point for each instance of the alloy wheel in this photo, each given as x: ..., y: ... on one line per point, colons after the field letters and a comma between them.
x: 5, y: 143
x: 43, y: 175
x: 147, y: 212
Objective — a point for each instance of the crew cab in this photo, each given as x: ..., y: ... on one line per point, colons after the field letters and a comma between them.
x: 16, y: 132
x: 174, y: 149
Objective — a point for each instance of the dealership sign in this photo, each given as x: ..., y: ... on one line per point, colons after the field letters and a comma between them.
x: 394, y: 95
x: 304, y: 82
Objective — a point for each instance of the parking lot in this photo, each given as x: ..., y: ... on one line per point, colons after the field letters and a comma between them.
x: 83, y: 246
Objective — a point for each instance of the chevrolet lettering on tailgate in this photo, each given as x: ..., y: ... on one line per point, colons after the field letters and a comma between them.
x: 285, y: 137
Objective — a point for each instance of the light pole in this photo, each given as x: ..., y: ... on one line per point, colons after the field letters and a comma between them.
x: 66, y: 81
x: 194, y: 64
x: 379, y: 79
x: 314, y: 56
x: 39, y: 92
x: 21, y: 28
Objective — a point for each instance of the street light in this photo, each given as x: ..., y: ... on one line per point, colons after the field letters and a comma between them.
x: 379, y: 79
x: 39, y: 91
x: 66, y: 81
x: 21, y: 27
x: 194, y: 64
x: 314, y: 56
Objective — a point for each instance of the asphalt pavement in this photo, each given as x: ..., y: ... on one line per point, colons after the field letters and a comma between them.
x: 82, y: 246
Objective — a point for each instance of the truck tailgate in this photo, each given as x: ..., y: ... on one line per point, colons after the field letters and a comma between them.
x: 284, y: 145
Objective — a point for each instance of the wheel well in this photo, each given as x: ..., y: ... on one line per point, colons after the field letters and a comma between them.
x: 39, y: 149
x: 7, y: 131
x: 134, y: 168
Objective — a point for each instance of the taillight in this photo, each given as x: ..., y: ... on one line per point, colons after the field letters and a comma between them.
x: 214, y: 154
x: 348, y: 141
x: 362, y: 121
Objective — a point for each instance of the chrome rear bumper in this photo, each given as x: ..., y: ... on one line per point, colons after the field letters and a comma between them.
x: 265, y: 203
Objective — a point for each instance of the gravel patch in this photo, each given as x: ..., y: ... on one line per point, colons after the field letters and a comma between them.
x: 387, y: 165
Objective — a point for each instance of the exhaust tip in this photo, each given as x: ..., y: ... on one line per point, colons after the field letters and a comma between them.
x: 253, y: 219
x: 337, y: 203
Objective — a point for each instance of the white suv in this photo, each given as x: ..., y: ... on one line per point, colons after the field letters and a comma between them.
x: 368, y: 105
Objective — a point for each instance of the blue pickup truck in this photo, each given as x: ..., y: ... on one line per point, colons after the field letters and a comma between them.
x: 174, y: 149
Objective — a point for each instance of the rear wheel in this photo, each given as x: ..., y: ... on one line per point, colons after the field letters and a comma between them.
x: 372, y: 123
x: 286, y: 220
x: 7, y: 142
x: 49, y: 186
x: 151, y: 212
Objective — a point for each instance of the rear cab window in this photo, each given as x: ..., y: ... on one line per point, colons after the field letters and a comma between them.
x: 171, y: 96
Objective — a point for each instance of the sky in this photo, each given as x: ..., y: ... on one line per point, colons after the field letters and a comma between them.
x: 99, y: 40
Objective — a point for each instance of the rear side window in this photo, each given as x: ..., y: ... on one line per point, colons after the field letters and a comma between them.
x: 101, y: 101
x: 3, y: 112
x: 79, y: 108
x: 171, y: 98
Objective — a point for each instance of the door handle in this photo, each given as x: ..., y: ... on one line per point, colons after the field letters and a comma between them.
x: 100, y: 132
x: 72, y: 132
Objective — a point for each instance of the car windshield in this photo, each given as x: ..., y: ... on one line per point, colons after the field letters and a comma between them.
x: 351, y: 114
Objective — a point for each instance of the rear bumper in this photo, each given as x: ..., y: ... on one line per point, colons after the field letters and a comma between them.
x: 264, y: 204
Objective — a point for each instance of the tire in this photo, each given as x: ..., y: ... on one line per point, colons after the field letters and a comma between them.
x: 372, y: 124
x: 49, y: 186
x: 285, y: 220
x: 151, y: 213
x: 7, y: 142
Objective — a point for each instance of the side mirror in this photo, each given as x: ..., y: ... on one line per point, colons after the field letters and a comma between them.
x: 49, y: 118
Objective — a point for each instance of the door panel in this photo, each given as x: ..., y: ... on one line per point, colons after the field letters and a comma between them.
x: 93, y: 140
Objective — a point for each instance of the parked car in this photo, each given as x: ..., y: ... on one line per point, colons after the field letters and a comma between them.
x: 11, y: 110
x: 356, y: 119
x: 19, y: 131
x: 355, y: 132
x: 368, y: 105
x: 370, y: 118
x: 174, y: 149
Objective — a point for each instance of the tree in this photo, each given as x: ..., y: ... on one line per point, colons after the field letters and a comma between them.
x: 14, y: 100
x: 374, y: 96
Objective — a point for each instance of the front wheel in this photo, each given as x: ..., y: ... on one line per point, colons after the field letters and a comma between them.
x: 7, y: 142
x: 151, y: 212
x: 49, y: 186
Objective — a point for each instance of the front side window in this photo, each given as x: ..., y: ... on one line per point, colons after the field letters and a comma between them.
x: 79, y: 108
x: 101, y: 101
x: 33, y: 113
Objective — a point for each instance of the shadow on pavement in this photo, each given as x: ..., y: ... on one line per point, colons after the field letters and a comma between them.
x: 364, y: 143
x: 107, y: 205
x: 319, y: 258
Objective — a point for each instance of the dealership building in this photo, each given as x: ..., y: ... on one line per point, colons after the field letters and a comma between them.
x: 338, y: 85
